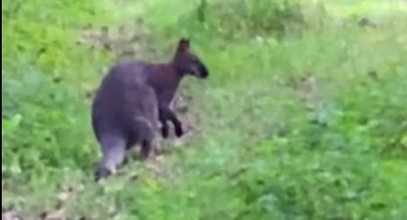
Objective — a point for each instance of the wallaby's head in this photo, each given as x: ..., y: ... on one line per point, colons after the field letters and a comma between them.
x: 186, y: 62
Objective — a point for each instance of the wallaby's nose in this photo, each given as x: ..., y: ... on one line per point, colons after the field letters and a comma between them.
x: 204, y: 71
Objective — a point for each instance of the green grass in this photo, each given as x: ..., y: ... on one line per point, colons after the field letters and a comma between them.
x: 289, y: 125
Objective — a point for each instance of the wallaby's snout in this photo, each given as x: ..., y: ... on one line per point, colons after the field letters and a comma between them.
x: 188, y: 63
x: 202, y: 71
x: 197, y: 68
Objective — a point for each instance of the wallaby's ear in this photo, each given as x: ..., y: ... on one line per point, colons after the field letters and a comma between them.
x: 183, y: 45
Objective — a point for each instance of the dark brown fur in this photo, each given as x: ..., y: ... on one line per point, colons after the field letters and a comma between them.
x: 165, y: 79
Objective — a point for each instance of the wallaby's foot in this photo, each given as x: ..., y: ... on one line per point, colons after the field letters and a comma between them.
x: 144, y: 156
x: 164, y: 131
x: 126, y: 161
x: 147, y: 149
x: 179, y: 131
x: 102, y: 172
x: 157, y: 152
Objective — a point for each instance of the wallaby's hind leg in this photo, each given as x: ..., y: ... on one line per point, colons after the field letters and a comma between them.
x: 113, y: 149
x: 146, y: 149
x: 148, y: 144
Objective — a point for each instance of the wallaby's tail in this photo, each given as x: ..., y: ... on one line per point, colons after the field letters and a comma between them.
x: 113, y: 150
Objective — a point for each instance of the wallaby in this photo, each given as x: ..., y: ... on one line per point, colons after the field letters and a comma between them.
x: 132, y: 97
x: 165, y: 79
x: 124, y: 113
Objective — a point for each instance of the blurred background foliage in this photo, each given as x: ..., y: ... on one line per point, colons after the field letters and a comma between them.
x: 303, y: 117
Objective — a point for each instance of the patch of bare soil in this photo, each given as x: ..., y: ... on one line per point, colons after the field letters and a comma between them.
x: 307, y: 89
x: 124, y: 42
x: 9, y: 214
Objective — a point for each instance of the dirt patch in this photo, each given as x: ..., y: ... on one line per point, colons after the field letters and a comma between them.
x: 9, y: 214
x: 127, y: 41
x: 306, y: 87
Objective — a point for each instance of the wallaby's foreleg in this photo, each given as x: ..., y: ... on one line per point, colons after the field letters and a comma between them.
x: 113, y: 150
x: 166, y: 114
x: 147, y: 148
x: 164, y: 125
x: 177, y: 124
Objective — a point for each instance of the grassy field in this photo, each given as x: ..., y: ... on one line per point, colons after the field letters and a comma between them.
x: 304, y: 115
